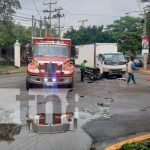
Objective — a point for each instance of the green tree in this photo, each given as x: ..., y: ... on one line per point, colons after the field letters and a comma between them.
x: 127, y: 31
x: 7, y: 9
x: 88, y: 35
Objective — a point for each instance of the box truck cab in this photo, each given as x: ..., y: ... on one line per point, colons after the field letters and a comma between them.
x: 111, y: 64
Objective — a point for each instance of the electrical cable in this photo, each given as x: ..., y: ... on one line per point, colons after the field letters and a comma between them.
x: 96, y: 15
x: 139, y: 5
x: 26, y: 18
x: 83, y: 14
x: 36, y: 8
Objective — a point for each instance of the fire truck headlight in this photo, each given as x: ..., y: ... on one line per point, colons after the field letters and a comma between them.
x: 68, y: 72
x: 33, y: 70
x: 45, y: 79
x: 54, y: 79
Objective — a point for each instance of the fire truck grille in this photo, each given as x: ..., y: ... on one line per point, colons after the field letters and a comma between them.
x: 50, y: 68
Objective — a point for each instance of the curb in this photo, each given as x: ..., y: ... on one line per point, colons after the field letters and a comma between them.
x: 129, y: 141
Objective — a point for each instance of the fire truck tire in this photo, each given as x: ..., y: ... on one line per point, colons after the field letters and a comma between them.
x: 71, y: 84
x: 28, y: 85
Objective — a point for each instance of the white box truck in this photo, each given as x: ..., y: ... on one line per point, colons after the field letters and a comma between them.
x: 103, y: 59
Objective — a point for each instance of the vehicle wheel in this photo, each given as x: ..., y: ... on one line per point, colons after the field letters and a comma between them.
x: 28, y: 85
x: 119, y: 76
x: 91, y: 78
x: 70, y: 85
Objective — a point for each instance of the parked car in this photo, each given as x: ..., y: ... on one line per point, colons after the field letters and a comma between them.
x: 138, y: 61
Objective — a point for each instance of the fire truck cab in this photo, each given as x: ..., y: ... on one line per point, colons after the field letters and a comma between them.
x: 51, y: 63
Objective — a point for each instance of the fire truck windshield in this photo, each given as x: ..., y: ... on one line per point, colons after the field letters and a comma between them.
x: 51, y: 50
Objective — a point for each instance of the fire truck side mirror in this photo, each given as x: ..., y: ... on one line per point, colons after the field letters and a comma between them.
x: 72, y: 61
x: 29, y: 60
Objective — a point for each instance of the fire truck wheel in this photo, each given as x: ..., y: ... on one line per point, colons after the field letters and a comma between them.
x: 71, y: 84
x: 28, y: 85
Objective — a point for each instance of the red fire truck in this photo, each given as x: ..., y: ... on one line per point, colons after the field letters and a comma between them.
x: 51, y: 63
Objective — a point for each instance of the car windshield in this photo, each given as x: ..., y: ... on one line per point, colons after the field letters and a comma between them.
x: 50, y: 50
x: 114, y: 57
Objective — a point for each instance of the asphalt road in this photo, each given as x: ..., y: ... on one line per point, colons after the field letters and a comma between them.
x: 109, y: 111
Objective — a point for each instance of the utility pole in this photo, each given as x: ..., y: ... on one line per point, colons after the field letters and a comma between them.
x: 59, y: 15
x: 82, y: 22
x: 50, y: 14
x: 145, y: 38
x: 33, y: 26
x: 40, y: 25
x: 46, y: 29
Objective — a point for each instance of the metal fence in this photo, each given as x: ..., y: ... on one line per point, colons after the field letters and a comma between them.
x: 7, y: 55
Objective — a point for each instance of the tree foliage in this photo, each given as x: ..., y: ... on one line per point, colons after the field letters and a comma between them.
x: 89, y: 35
x: 126, y: 32
x: 11, y: 32
x: 7, y: 8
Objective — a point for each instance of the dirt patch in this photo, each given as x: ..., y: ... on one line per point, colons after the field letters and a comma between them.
x: 8, y: 131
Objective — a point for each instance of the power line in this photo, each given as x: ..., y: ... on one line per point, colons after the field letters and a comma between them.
x: 59, y: 15
x: 27, y: 18
x: 22, y: 19
x: 26, y: 14
x: 139, y: 5
x: 40, y: 3
x: 92, y: 15
x: 36, y: 8
x: 31, y: 9
x: 84, y: 14
x: 50, y: 15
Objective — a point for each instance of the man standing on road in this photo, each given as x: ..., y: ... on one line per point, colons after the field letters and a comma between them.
x: 131, y: 67
x: 82, y: 69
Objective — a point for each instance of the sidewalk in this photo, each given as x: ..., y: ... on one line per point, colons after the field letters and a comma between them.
x: 4, y: 70
x: 145, y: 71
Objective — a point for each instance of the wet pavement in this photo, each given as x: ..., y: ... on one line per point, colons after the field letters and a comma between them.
x: 107, y: 110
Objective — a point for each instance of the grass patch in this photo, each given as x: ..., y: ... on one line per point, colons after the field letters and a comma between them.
x: 11, y: 69
x: 145, y: 145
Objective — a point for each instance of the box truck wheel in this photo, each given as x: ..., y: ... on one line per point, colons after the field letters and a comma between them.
x: 119, y: 76
x: 28, y: 85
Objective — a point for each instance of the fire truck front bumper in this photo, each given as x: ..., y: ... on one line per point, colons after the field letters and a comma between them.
x: 49, y: 81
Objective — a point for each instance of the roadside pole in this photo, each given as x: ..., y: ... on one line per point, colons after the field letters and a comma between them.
x: 17, y: 54
x: 145, y: 60
x: 145, y: 38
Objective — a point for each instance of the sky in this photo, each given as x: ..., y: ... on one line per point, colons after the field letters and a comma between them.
x: 97, y: 12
